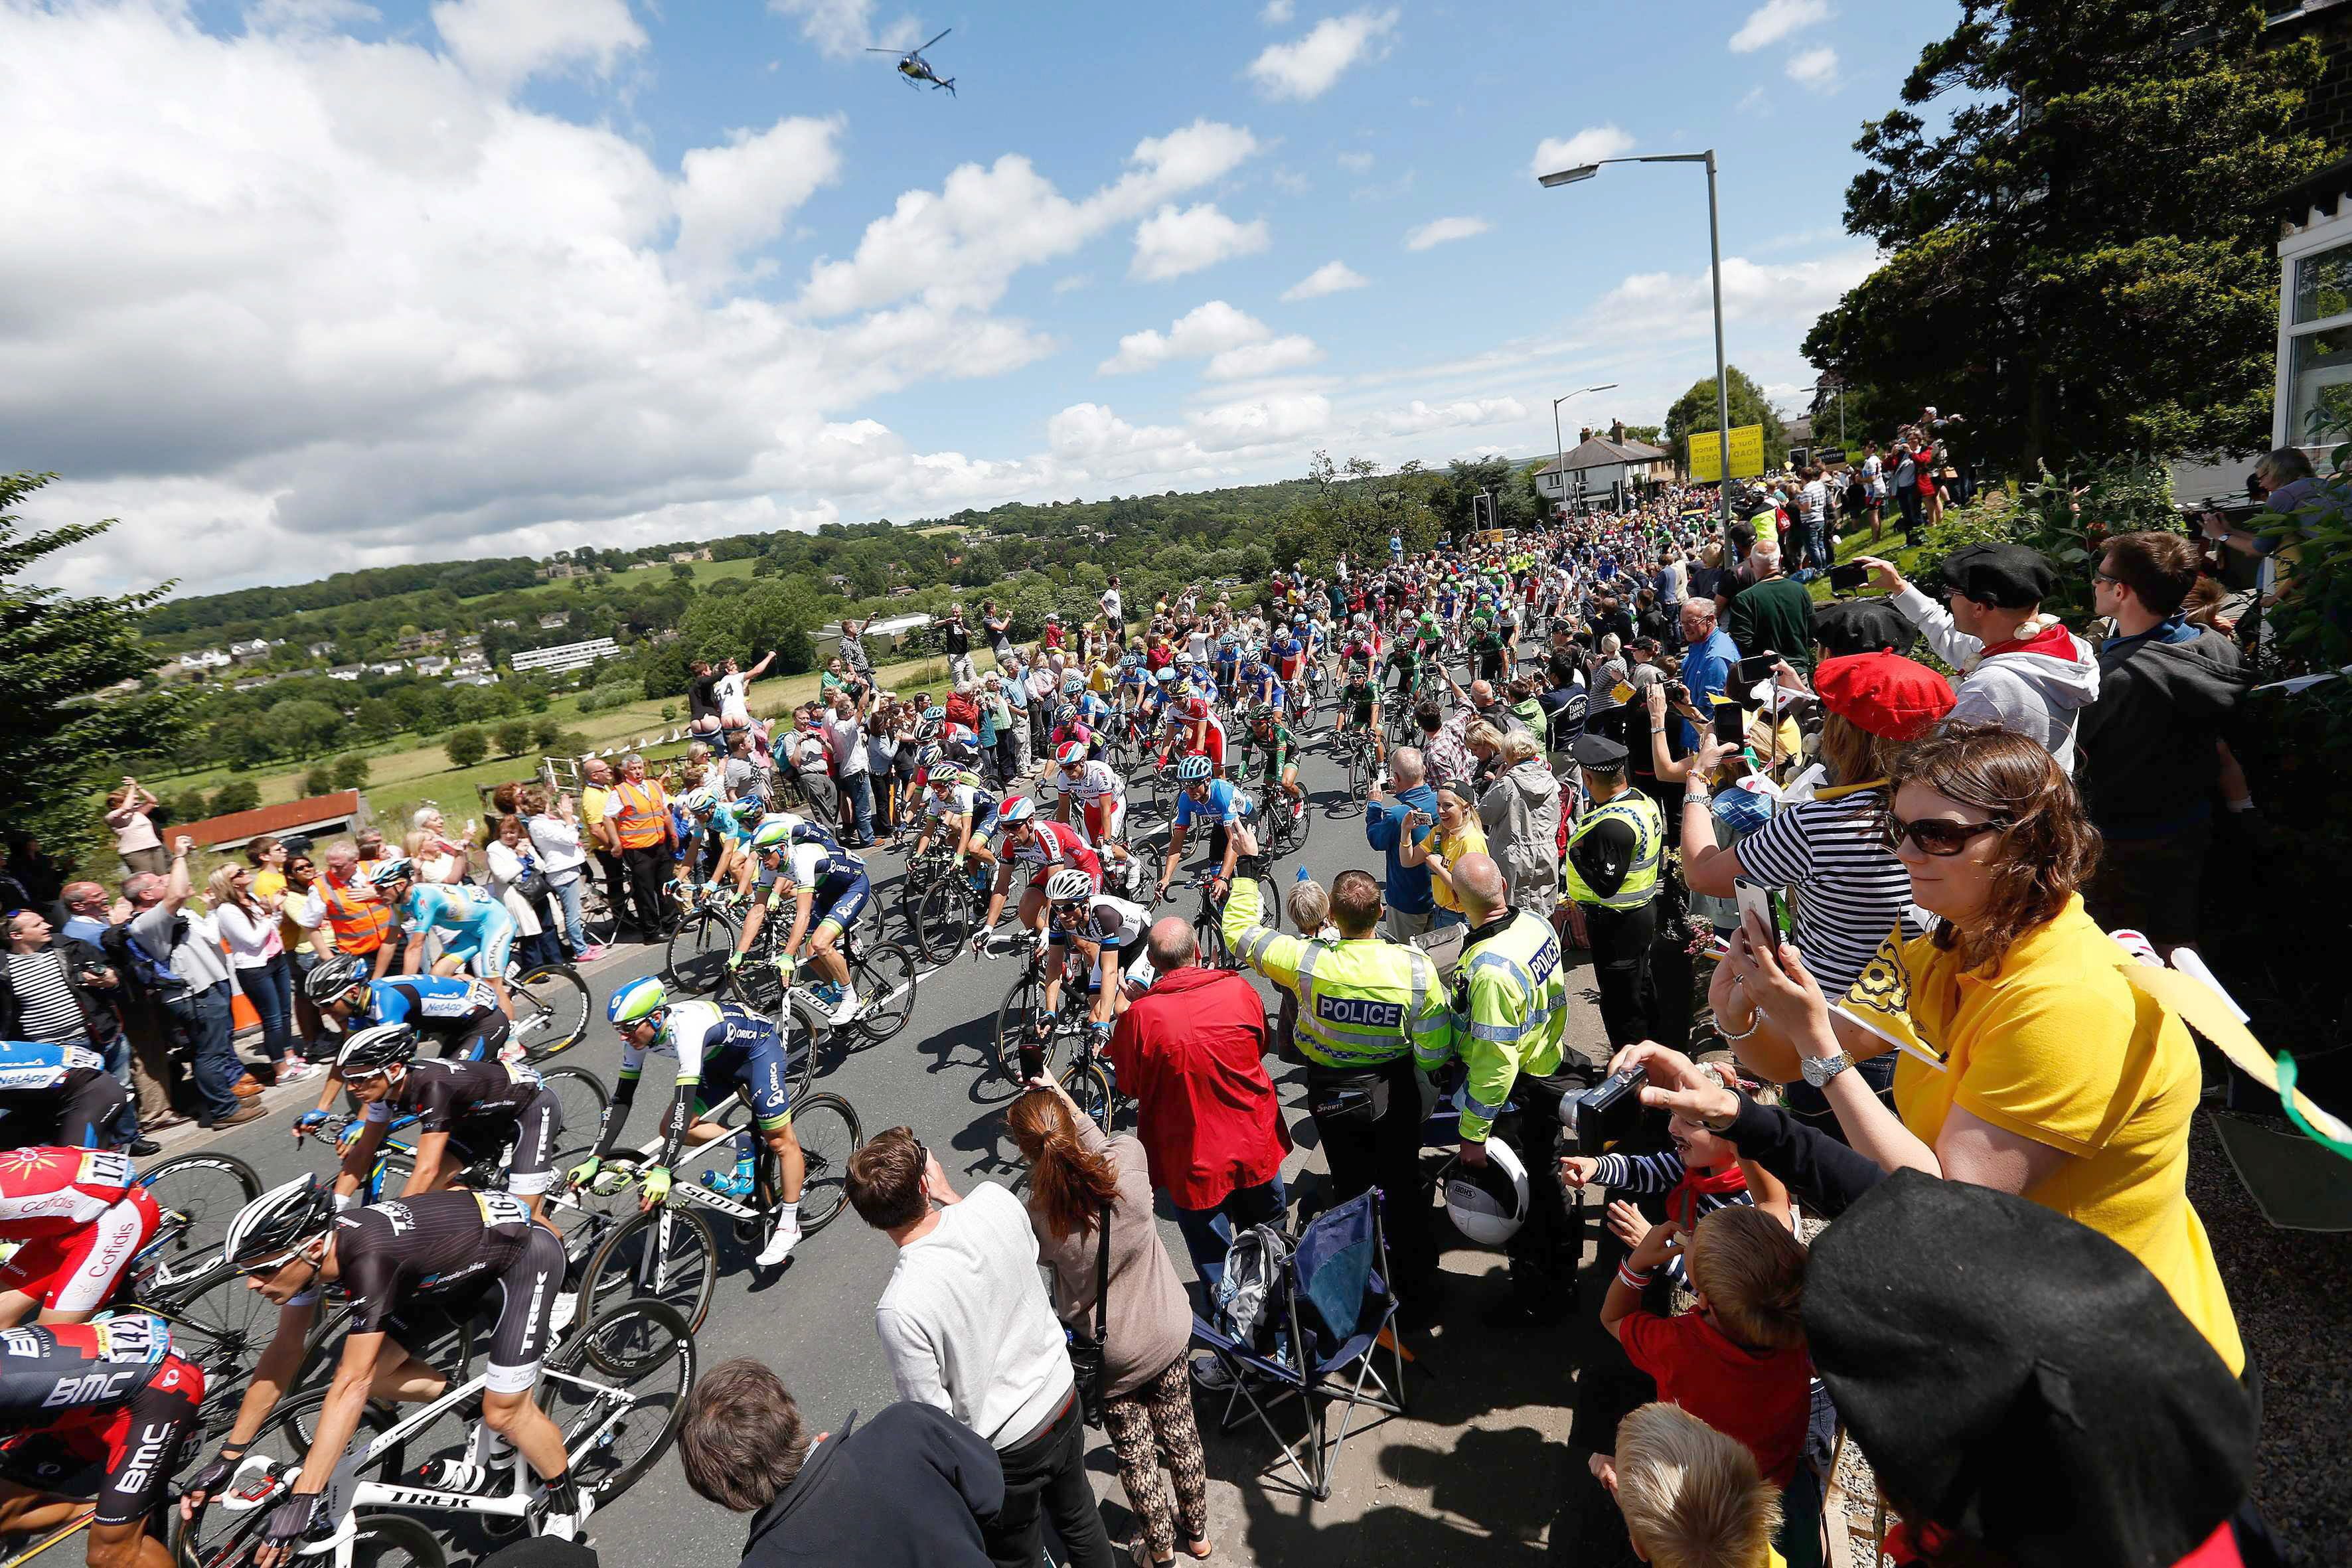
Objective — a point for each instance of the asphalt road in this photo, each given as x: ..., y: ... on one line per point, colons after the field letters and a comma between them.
x: 814, y: 1323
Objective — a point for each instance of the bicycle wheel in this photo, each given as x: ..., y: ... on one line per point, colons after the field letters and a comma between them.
x: 697, y: 955
x: 885, y: 974
x: 757, y: 985
x: 219, y: 1538
x: 1016, y: 1020
x: 1088, y: 1087
x: 942, y: 920
x: 829, y: 1134
x: 617, y: 1392
x: 199, y: 1194
x: 1209, y: 938
x: 666, y: 1255
x: 598, y: 921
x: 221, y: 1329
x: 550, y: 1008
x: 582, y: 1097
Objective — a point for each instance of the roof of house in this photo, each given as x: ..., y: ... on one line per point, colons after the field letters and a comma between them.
x: 1600, y: 453
x: 238, y: 826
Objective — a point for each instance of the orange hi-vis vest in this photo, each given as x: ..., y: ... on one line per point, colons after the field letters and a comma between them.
x: 638, y: 816
x: 359, y: 923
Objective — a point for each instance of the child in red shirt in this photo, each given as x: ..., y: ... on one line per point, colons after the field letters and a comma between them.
x: 1738, y: 1361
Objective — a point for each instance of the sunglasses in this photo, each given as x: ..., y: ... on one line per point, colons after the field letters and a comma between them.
x: 1936, y: 835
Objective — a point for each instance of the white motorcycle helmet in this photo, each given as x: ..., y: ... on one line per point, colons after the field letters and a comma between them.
x: 1488, y: 1204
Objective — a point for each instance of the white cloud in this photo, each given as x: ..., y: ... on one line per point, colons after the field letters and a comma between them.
x: 958, y: 247
x: 1419, y: 418
x: 1357, y: 163
x: 1753, y: 99
x: 1775, y: 20
x: 309, y: 299
x: 1203, y: 331
x: 502, y: 42
x: 735, y: 198
x: 1306, y: 67
x: 1170, y: 243
x: 1292, y: 353
x: 1290, y: 182
x: 1814, y: 70
x: 1441, y: 230
x: 1073, y: 283
x: 1680, y: 305
x: 840, y: 28
x: 1278, y: 12
x: 1211, y: 443
x: 1588, y: 145
x: 1331, y: 277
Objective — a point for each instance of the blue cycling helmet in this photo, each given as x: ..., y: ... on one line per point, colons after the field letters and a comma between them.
x: 1192, y: 769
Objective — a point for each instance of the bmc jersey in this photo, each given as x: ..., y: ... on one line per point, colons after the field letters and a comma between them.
x: 78, y: 1366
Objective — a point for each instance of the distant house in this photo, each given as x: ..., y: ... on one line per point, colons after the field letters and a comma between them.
x: 321, y: 650
x: 500, y: 621
x: 247, y: 652
x: 564, y: 656
x: 388, y: 666
x: 641, y: 565
x: 1598, y: 467
x: 206, y: 658
x: 838, y: 581
x: 470, y: 640
x: 346, y: 811
x: 252, y: 683
x: 433, y: 664
x: 551, y: 622
x: 472, y: 663
x: 560, y: 569
x: 682, y: 556
x: 346, y: 672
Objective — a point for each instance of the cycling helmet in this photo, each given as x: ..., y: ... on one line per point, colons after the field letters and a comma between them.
x: 640, y: 1000
x: 399, y: 869
x: 1261, y: 716
x: 329, y: 982
x: 753, y: 802
x: 272, y: 1227
x: 1015, y: 812
x: 1072, y: 756
x: 1167, y: 675
x: 1074, y: 682
x: 927, y: 753
x: 1069, y: 886
x: 701, y: 802
x: 371, y: 1050
x: 1193, y: 769
x: 1065, y: 712
x: 934, y: 714
x: 1488, y: 1204
x: 775, y: 832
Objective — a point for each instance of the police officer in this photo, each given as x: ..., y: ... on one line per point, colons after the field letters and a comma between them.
x: 1613, y: 857
x: 1365, y: 1008
x: 1510, y: 1005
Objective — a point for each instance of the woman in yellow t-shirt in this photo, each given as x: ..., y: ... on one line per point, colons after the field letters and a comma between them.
x: 1441, y: 845
x: 2059, y: 1080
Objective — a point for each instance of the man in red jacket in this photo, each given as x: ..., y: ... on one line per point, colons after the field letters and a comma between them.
x: 1191, y: 1050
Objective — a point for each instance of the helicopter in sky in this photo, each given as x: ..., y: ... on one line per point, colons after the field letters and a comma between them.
x: 917, y: 70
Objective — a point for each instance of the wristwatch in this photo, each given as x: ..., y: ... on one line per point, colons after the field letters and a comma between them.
x: 1819, y: 1070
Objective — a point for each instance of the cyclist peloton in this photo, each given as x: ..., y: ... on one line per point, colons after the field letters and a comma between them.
x: 828, y: 888
x: 58, y: 1095
x: 955, y: 800
x: 720, y: 1047
x: 1277, y: 752
x: 412, y: 1268
x: 77, y: 1217
x: 109, y: 1400
x: 1108, y: 933
x: 1360, y: 708
x: 465, y: 1112
x: 478, y: 933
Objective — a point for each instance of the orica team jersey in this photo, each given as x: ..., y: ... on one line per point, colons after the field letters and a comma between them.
x: 436, y: 906
x: 1225, y: 802
x: 697, y: 1035
x: 28, y: 1065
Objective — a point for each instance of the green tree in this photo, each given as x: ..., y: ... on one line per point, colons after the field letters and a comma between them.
x: 350, y: 771
x: 306, y: 726
x: 544, y: 732
x: 1695, y: 410
x: 466, y: 746
x: 318, y: 779
x: 2081, y: 259
x: 513, y: 736
x: 237, y: 795
x: 60, y: 740
x: 188, y: 805
x: 377, y: 719
x: 682, y: 571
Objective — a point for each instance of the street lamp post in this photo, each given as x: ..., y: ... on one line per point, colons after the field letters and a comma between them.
x: 1559, y: 454
x: 1714, y: 270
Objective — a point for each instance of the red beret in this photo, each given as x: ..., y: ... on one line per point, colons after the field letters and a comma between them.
x: 1890, y: 695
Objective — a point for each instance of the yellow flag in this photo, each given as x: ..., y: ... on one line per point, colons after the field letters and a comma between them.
x: 1880, y: 1003
x: 2207, y: 1011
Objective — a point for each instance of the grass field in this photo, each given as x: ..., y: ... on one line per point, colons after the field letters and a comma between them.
x: 408, y: 771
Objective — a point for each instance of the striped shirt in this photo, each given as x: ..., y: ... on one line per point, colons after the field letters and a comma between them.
x: 1850, y: 889
x: 49, y: 1012
x: 1661, y: 1174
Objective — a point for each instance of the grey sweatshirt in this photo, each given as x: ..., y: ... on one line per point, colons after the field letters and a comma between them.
x: 2038, y: 690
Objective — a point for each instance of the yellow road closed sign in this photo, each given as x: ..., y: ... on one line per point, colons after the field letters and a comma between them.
x: 1747, y: 453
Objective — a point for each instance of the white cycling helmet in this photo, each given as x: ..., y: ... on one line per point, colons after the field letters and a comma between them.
x: 1488, y: 1204
x: 700, y: 801
x: 1069, y: 886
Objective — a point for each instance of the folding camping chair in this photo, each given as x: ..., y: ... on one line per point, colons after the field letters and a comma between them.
x: 1335, y: 1305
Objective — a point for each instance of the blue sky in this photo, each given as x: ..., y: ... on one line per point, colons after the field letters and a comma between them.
x: 304, y: 284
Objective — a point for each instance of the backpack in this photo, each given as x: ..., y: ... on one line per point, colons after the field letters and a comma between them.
x: 155, y: 974
x: 1254, y: 1298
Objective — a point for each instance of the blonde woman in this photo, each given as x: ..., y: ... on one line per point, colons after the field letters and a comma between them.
x: 1440, y: 842
x: 248, y: 928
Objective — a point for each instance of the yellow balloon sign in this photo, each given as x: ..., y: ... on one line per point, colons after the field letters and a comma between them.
x: 1747, y: 453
